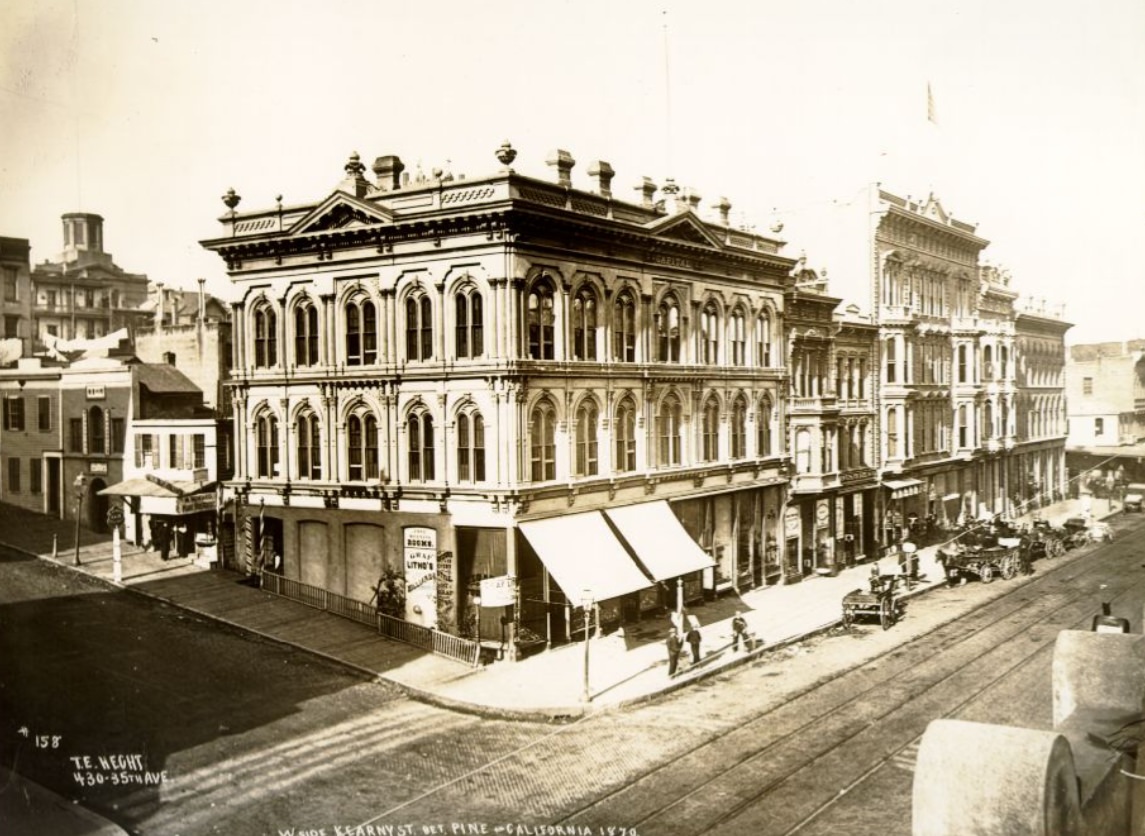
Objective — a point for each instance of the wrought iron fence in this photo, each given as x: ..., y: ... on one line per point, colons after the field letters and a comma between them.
x: 428, y: 639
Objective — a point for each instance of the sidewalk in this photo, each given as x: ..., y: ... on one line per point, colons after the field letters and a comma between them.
x: 624, y: 668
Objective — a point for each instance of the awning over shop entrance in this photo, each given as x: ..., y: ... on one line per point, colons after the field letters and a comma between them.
x: 659, y: 539
x: 180, y: 497
x: 581, y: 553
x: 900, y: 488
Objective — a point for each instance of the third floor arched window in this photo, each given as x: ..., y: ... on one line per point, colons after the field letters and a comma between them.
x: 668, y: 331
x: 763, y: 340
x: 624, y: 329
x: 586, y: 440
x: 737, y: 339
x: 540, y: 318
x: 305, y: 334
x: 265, y: 337
x: 419, y: 328
x: 710, y: 335
x: 361, y: 333
x: 470, y: 324
x: 542, y: 442
x: 584, y: 324
x: 308, y: 438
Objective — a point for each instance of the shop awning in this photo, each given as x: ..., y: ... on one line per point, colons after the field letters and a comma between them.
x: 900, y: 488
x: 189, y: 497
x: 581, y: 553
x: 138, y: 487
x: 659, y: 540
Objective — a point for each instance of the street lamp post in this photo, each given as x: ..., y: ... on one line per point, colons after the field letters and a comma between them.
x: 80, y: 485
x: 587, y: 603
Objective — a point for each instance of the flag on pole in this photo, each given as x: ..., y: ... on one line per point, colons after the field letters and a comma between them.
x: 931, y: 113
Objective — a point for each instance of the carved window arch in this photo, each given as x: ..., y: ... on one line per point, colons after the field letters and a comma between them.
x: 584, y: 324
x: 305, y: 334
x: 540, y: 318
x: 362, y: 447
x: 419, y: 442
x: 308, y: 440
x: 737, y: 338
x: 710, y: 448
x: 266, y: 442
x: 624, y: 432
x: 668, y: 325
x: 587, y: 428
x: 470, y: 323
x: 892, y: 359
x: 763, y: 435
x: 624, y: 328
x: 763, y: 339
x: 419, y: 327
x: 738, y: 429
x: 470, y: 447
x: 542, y: 441
x: 669, y: 431
x: 265, y: 336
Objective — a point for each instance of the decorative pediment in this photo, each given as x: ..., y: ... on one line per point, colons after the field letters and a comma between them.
x: 684, y: 227
x: 933, y: 210
x: 342, y: 211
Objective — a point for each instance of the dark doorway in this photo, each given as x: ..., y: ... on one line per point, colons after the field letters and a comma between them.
x: 53, y: 486
x: 97, y: 507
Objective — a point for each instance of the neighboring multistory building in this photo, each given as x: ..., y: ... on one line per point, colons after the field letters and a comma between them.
x: 507, y: 377
x: 15, y: 294
x: 84, y: 294
x: 1105, y: 398
x: 945, y: 390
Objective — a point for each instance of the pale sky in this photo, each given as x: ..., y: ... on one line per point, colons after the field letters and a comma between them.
x: 146, y: 112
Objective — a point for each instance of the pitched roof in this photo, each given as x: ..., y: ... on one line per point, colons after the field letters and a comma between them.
x: 165, y: 378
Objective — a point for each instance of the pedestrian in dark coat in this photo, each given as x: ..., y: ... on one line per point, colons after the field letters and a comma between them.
x: 674, y: 648
x: 739, y: 631
x: 694, y: 641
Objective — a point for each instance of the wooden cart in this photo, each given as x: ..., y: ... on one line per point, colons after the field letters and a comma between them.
x: 880, y: 602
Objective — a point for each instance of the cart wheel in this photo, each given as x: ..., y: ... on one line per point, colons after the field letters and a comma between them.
x: 848, y: 618
x: 886, y: 614
x: 986, y: 574
x: 1008, y: 570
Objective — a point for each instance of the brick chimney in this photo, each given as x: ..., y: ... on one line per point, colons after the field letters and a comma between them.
x: 563, y: 162
x: 724, y: 207
x: 202, y: 300
x: 388, y: 170
x: 647, y: 191
x: 602, y: 172
x: 159, y: 305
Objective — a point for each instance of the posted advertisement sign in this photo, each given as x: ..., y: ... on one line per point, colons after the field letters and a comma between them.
x: 420, y: 551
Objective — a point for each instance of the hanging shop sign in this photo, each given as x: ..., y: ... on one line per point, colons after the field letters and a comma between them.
x: 498, y: 591
x: 792, y: 521
x: 420, y: 551
x: 195, y: 503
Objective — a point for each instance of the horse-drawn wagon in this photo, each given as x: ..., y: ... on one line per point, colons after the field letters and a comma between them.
x: 880, y: 602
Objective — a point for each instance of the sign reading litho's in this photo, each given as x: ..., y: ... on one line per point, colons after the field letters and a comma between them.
x: 499, y: 591
x: 420, y: 548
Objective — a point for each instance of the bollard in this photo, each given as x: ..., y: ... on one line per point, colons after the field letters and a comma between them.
x: 55, y: 546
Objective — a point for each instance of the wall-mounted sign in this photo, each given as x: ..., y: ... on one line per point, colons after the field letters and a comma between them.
x: 97, y: 467
x: 822, y: 513
x: 420, y: 551
x: 195, y: 503
x: 792, y: 521
x: 96, y: 393
x: 498, y: 591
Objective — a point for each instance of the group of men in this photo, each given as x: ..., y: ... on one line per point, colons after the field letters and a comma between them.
x: 693, y: 637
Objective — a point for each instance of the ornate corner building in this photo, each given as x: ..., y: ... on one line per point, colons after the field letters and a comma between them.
x: 460, y: 380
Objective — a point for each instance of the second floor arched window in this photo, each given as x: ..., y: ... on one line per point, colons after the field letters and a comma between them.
x: 669, y: 421
x: 542, y: 442
x: 710, y: 450
x: 266, y: 442
x: 470, y: 447
x: 305, y: 334
x: 738, y: 433
x: 419, y: 440
x: 362, y: 447
x: 308, y: 439
x: 540, y: 318
x: 668, y: 331
x: 763, y: 436
x: 586, y: 440
x: 624, y: 434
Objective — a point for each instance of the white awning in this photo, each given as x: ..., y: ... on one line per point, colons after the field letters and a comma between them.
x: 900, y: 488
x: 581, y: 553
x: 659, y: 540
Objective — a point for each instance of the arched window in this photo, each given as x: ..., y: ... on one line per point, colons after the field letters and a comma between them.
x: 419, y: 436
x: 542, y: 442
x: 987, y: 363
x: 419, y: 328
x: 763, y: 428
x: 470, y: 447
x: 988, y: 420
x: 668, y: 331
x: 96, y: 439
x: 266, y: 439
x: 711, y: 430
x: 361, y: 333
x: 362, y: 452
x: 803, y: 450
x: 305, y: 334
x: 737, y: 339
x: 709, y: 335
x: 624, y: 432
x: 962, y: 364
x: 668, y: 430
x: 309, y: 440
x: 586, y: 440
x: 540, y: 316
x: 763, y: 340
x: 265, y: 338
x: 584, y: 324
x: 470, y: 325
x: 738, y: 436
x: 624, y: 329
x: 1003, y: 361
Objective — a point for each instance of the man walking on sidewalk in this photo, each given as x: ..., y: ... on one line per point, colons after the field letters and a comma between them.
x: 674, y: 648
x: 739, y: 631
x: 694, y: 638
